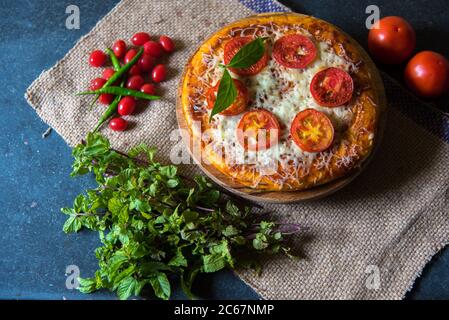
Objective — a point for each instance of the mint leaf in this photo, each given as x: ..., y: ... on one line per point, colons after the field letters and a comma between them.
x: 72, y: 224
x: 226, y: 94
x: 161, y: 286
x: 248, y: 55
x: 213, y: 263
x: 127, y: 287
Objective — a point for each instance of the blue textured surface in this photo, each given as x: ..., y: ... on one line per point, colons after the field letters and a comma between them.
x: 34, y: 172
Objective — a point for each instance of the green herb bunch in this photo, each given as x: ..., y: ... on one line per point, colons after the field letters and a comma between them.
x: 155, y: 224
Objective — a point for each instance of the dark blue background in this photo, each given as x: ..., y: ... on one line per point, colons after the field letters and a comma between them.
x: 34, y: 172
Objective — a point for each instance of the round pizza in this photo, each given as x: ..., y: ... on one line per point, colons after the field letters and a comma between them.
x: 304, y: 113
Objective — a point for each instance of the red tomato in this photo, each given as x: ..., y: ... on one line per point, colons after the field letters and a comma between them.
x: 148, y: 88
x: 119, y: 48
x: 135, y: 82
x: 312, y: 131
x: 97, y: 83
x: 135, y: 71
x: 106, y: 98
x: 118, y: 124
x: 427, y: 74
x: 146, y: 62
x: 153, y: 48
x: 238, y: 106
x: 392, y: 40
x: 159, y: 73
x: 167, y: 44
x: 294, y: 51
x: 258, y: 130
x: 126, y: 106
x: 130, y: 55
x: 108, y: 72
x: 332, y: 87
x: 233, y: 46
x: 140, y: 38
x: 97, y: 58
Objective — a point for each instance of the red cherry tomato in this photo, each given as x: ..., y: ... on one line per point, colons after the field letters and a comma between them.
x: 167, y: 44
x: 135, y: 82
x: 140, y: 38
x: 332, y: 87
x: 238, y: 106
x: 391, y: 40
x: 129, y: 55
x: 427, y: 74
x: 159, y: 73
x: 107, y: 73
x: 118, y: 124
x: 146, y: 62
x: 126, y: 106
x: 135, y: 71
x: 97, y: 58
x: 233, y: 46
x: 97, y: 83
x: 249, y: 130
x: 106, y: 98
x: 153, y: 48
x: 148, y: 88
x: 312, y: 131
x: 294, y: 51
x: 119, y: 48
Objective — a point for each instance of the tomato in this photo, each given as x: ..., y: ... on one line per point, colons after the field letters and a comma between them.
x: 392, y: 40
x: 97, y: 58
x: 106, y: 98
x: 332, y: 87
x: 97, y: 83
x: 130, y: 55
x: 238, y: 106
x: 135, y: 82
x: 148, y: 88
x: 146, y: 62
x: 108, y: 72
x: 167, y: 44
x: 294, y: 51
x: 427, y: 74
x: 126, y: 106
x: 135, y: 71
x: 119, y: 48
x: 312, y: 131
x: 153, y: 48
x: 118, y: 124
x: 258, y: 130
x: 159, y: 73
x: 233, y: 46
x: 140, y: 38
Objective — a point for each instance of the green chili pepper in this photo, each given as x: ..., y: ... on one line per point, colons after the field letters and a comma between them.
x: 110, y: 111
x: 121, y: 91
x: 115, y: 63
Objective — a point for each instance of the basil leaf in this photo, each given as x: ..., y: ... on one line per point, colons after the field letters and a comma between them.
x: 227, y: 92
x: 248, y: 55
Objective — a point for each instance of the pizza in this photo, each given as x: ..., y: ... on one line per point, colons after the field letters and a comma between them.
x: 306, y: 113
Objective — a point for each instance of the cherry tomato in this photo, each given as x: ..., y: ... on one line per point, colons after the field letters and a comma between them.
x: 129, y: 55
x: 258, y: 130
x: 294, y: 51
x: 427, y: 74
x: 135, y: 71
x: 97, y: 83
x: 148, y: 88
x: 153, y: 48
x: 119, y: 48
x: 146, y: 62
x: 332, y: 87
x: 159, y: 73
x: 238, y: 106
x: 140, y: 38
x: 312, y: 131
x: 135, y: 82
x: 97, y: 58
x: 233, y: 46
x: 106, y: 98
x: 108, y: 72
x: 126, y: 106
x: 167, y: 44
x: 118, y: 124
x: 392, y: 40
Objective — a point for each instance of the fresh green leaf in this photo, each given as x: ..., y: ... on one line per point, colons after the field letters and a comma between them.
x: 226, y: 94
x: 248, y: 55
x: 161, y: 285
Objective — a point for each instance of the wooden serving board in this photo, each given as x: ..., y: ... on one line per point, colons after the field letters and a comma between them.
x: 317, y: 192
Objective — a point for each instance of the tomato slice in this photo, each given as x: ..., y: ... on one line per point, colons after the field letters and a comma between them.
x: 332, y: 87
x: 294, y: 51
x: 312, y: 131
x: 233, y: 46
x: 258, y: 130
x: 238, y: 106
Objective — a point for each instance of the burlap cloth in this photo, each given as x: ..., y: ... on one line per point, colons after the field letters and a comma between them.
x: 394, y: 217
